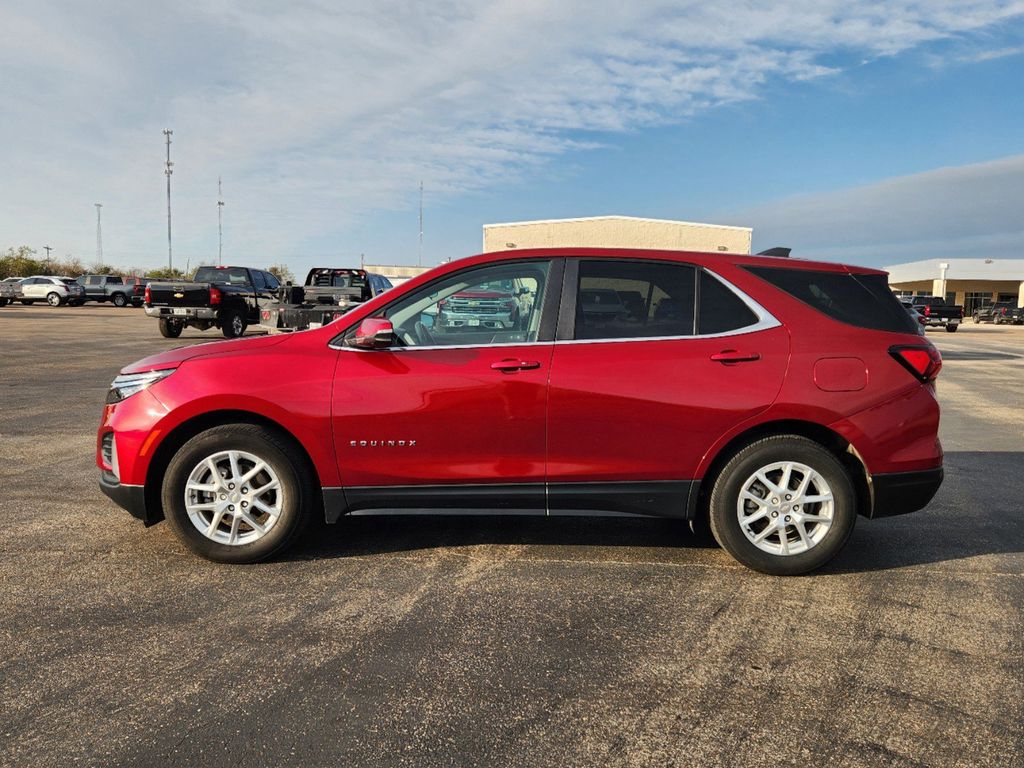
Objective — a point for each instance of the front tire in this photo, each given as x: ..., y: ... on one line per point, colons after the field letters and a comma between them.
x: 783, y: 505
x: 237, y: 493
x: 54, y: 299
x: 170, y: 329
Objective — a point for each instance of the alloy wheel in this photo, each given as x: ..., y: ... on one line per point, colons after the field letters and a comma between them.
x: 785, y: 508
x: 233, y: 497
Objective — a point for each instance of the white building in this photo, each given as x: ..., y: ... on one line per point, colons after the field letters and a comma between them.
x: 969, y: 282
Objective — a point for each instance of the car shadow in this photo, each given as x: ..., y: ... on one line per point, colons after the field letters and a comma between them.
x: 974, y: 514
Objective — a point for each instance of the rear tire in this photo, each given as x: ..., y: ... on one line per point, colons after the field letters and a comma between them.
x: 207, y: 521
x: 233, y: 325
x: 119, y: 300
x: 817, y: 497
x: 54, y: 299
x: 170, y: 329
x: 951, y: 328
x: 26, y: 302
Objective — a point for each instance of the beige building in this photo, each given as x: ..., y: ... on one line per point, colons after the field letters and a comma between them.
x: 968, y: 282
x: 396, y: 273
x: 617, y: 232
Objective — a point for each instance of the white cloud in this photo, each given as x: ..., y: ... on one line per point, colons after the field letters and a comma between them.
x: 316, y: 112
x: 964, y: 211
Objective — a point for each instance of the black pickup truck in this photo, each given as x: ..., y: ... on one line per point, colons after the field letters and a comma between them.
x: 329, y: 292
x: 999, y: 313
x: 933, y: 311
x: 229, y: 298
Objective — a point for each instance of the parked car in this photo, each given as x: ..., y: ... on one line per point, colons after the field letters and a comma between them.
x: 328, y: 293
x: 55, y: 291
x: 777, y: 400
x: 228, y: 298
x: 496, y: 305
x: 935, y: 312
x: 102, y: 288
x: 136, y: 288
x: 999, y: 313
x: 10, y: 290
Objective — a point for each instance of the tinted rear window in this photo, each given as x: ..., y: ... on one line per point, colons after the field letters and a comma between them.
x: 233, y: 275
x: 861, y: 300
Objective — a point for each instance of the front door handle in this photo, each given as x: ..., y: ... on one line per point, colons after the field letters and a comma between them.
x: 513, y: 364
x: 732, y: 356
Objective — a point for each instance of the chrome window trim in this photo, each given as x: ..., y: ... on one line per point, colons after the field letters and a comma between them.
x: 446, y: 346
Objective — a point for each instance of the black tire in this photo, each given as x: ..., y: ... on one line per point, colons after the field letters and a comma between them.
x: 952, y: 328
x: 54, y: 299
x: 233, y: 324
x: 3, y: 302
x: 296, y: 488
x: 170, y: 329
x: 119, y: 300
x: 26, y: 302
x: 725, y: 524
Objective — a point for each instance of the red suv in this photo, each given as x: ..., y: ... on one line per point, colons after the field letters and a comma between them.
x: 775, y: 398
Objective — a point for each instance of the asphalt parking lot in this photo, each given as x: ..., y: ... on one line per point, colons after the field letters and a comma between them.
x: 497, y: 641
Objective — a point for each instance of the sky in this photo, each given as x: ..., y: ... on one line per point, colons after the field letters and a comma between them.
x: 869, y: 132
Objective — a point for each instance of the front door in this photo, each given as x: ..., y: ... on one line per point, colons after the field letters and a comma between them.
x: 453, y: 415
x: 645, y: 383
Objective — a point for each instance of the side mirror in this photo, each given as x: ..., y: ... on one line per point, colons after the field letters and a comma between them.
x: 373, y: 333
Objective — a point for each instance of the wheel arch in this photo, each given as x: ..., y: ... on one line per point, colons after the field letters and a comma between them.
x: 832, y: 441
x: 189, y: 428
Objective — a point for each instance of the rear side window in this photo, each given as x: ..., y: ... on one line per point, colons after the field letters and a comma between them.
x: 864, y: 301
x: 634, y: 299
x: 721, y: 310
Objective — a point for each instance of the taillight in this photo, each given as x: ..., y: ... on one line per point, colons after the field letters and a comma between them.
x: 148, y: 295
x: 924, y: 362
x: 1004, y: 311
x: 927, y: 310
x: 214, y: 295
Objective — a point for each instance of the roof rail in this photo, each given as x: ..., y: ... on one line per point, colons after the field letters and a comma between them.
x: 782, y: 253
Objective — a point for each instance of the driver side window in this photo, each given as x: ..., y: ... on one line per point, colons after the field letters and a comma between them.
x: 495, y: 304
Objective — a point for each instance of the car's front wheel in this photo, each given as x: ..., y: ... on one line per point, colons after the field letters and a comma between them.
x: 119, y: 300
x: 237, y: 493
x: 783, y: 505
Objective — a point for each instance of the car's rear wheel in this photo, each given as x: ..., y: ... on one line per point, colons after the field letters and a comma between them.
x: 783, y: 505
x: 54, y: 299
x: 119, y: 299
x: 233, y: 325
x: 26, y: 302
x: 171, y: 329
x: 237, y: 493
x: 952, y: 328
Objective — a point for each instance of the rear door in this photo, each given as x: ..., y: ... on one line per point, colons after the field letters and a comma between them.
x: 654, y: 361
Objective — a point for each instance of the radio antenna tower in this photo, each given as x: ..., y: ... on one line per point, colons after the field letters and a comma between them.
x: 419, y: 252
x: 99, y: 234
x: 220, y: 225
x: 168, y: 170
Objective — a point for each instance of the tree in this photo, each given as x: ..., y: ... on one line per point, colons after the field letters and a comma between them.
x: 281, y: 272
x: 20, y: 262
x: 98, y: 268
x: 166, y: 273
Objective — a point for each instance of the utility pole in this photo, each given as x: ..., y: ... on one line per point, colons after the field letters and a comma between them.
x: 99, y: 234
x: 220, y: 225
x: 419, y: 253
x: 47, y: 249
x: 168, y: 171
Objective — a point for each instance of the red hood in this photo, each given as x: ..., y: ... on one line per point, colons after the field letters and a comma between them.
x: 172, y: 358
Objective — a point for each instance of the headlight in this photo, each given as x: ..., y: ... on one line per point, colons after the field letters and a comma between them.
x: 128, y: 384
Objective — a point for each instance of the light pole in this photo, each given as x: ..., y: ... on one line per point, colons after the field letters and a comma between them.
x: 99, y: 234
x: 47, y: 249
x: 220, y: 225
x: 168, y: 171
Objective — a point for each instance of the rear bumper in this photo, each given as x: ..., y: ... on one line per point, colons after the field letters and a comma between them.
x: 900, y: 492
x: 191, y: 313
x: 129, y: 497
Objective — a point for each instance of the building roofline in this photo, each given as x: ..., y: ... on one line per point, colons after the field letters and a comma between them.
x: 618, y: 217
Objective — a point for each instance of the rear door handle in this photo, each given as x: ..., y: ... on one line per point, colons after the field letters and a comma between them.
x: 732, y: 356
x: 511, y: 365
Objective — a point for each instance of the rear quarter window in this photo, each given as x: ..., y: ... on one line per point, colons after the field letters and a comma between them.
x: 864, y: 301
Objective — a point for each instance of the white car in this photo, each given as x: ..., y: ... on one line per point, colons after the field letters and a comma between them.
x: 53, y: 290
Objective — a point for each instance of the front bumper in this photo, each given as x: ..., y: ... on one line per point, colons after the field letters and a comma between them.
x: 898, y: 493
x: 189, y: 313
x: 129, y: 497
